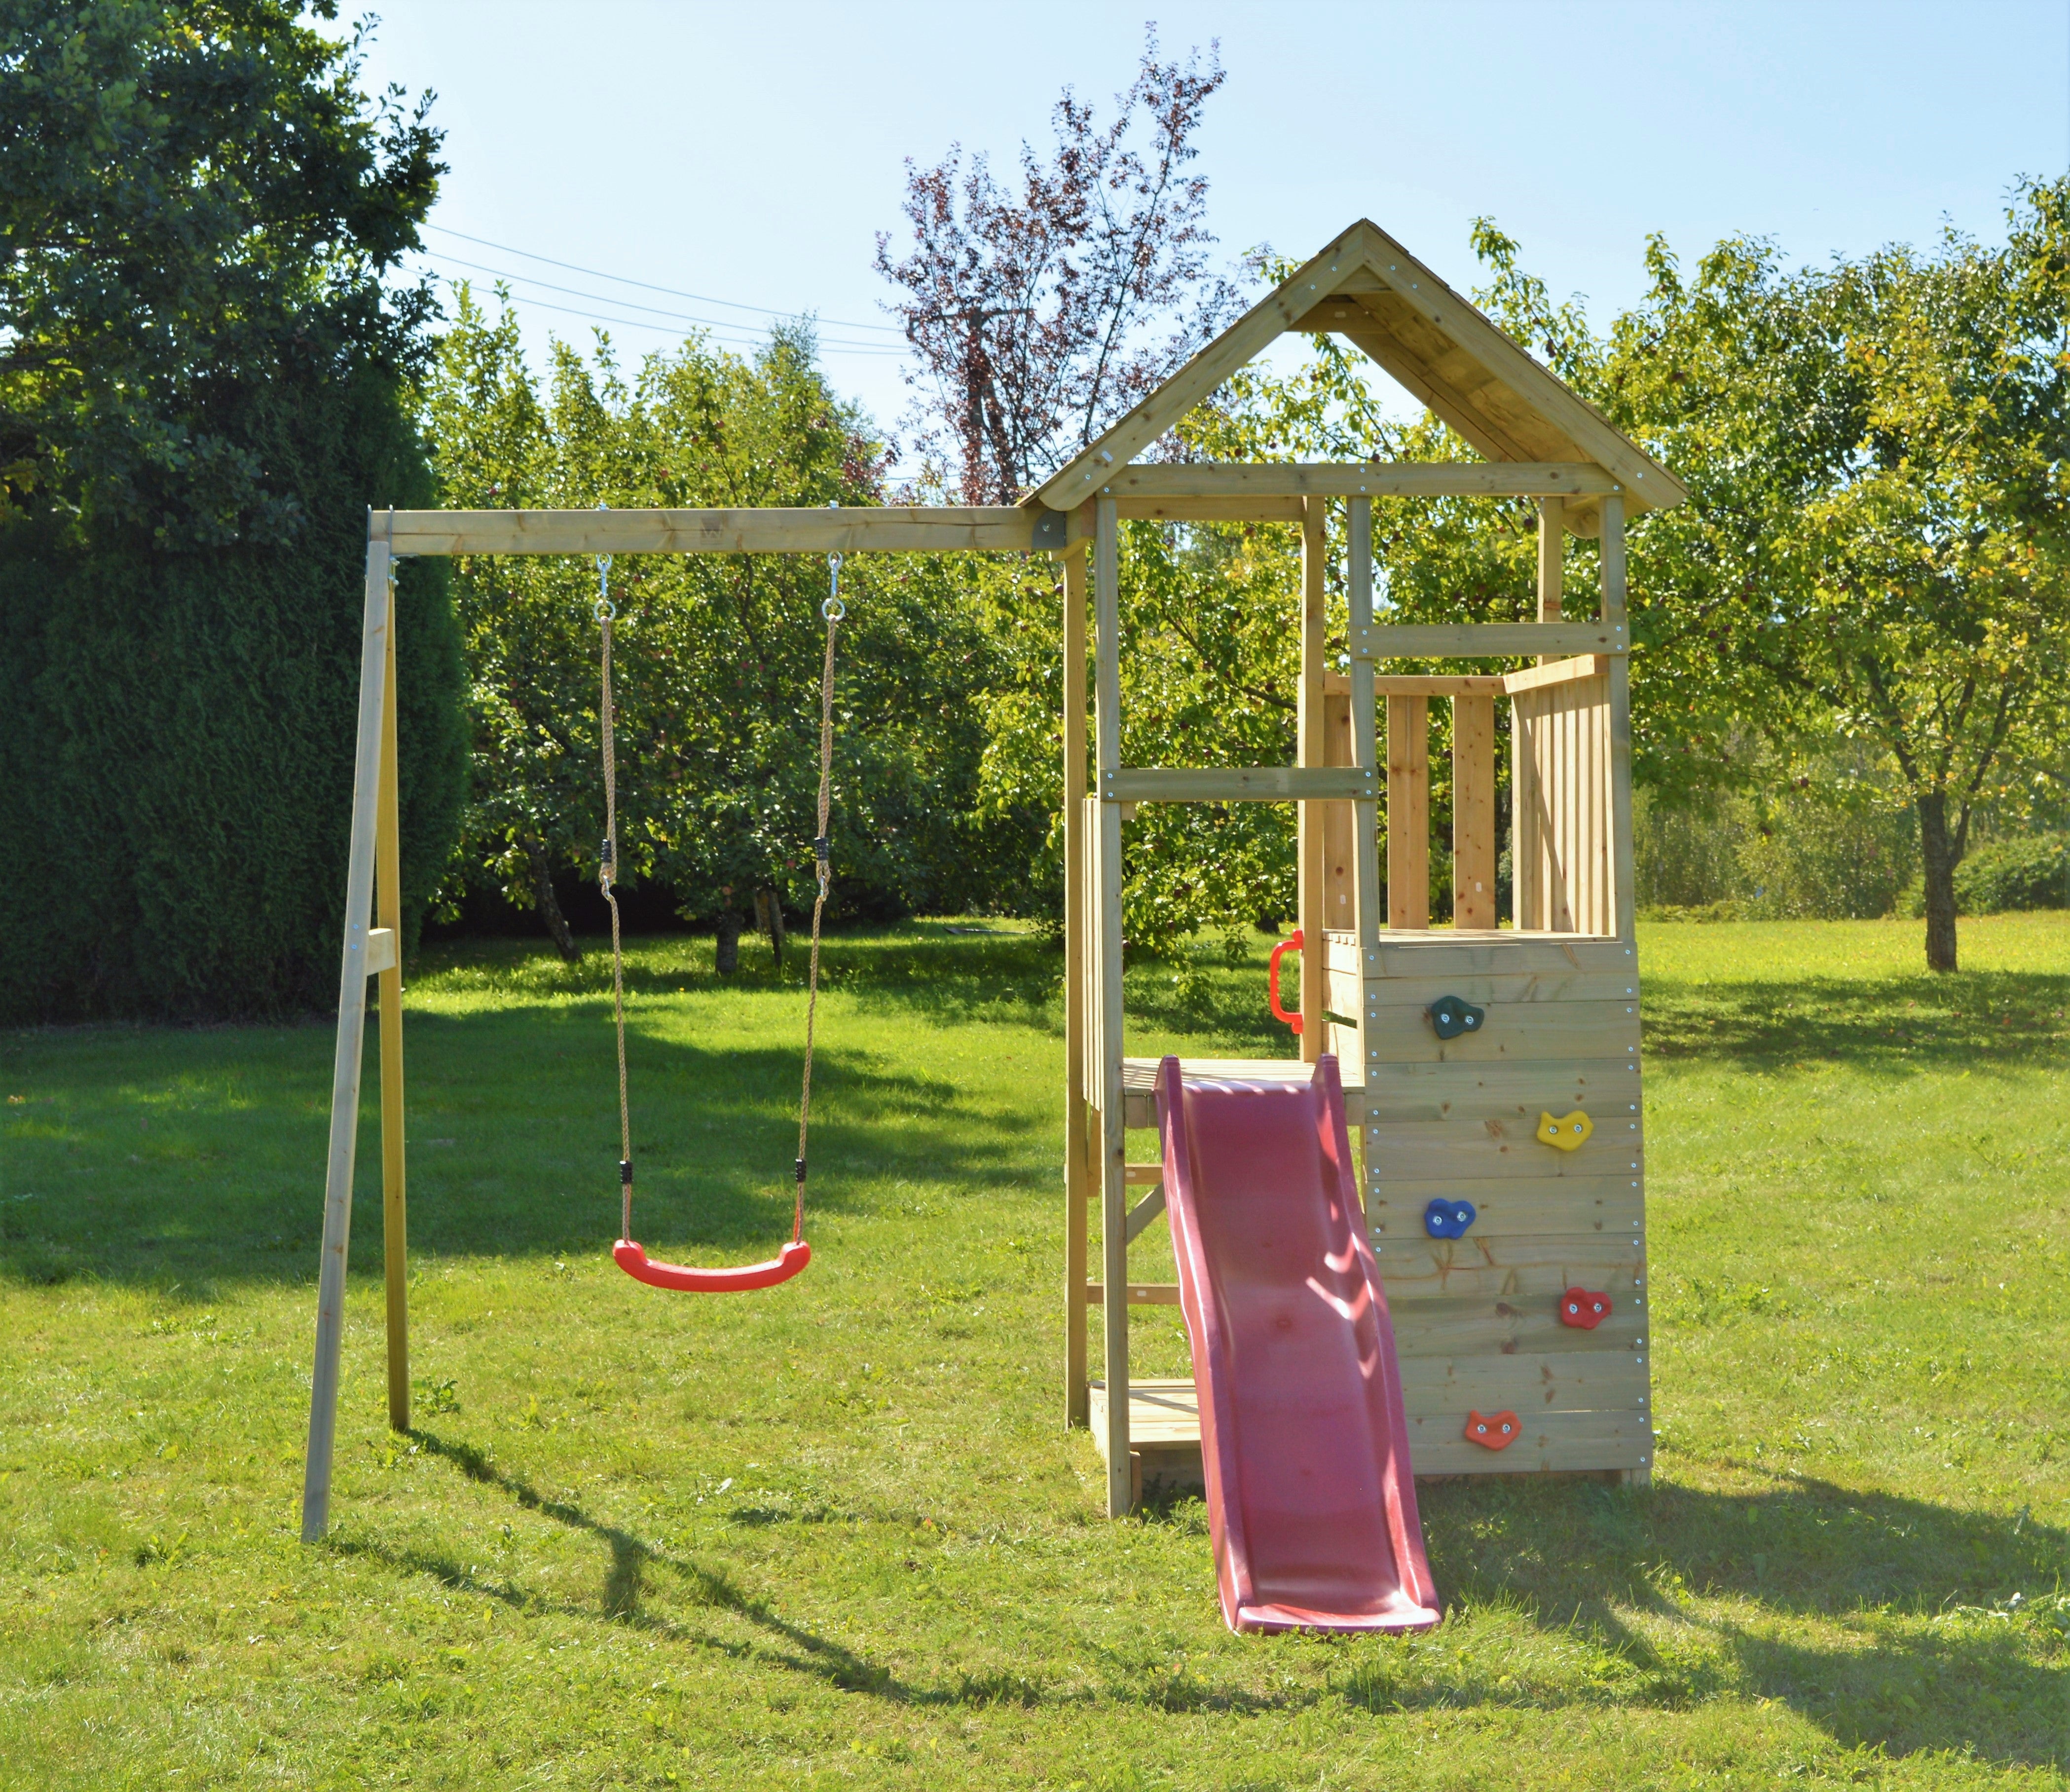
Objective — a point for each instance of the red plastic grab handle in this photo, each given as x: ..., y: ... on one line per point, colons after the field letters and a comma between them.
x: 1290, y: 943
x: 632, y: 1259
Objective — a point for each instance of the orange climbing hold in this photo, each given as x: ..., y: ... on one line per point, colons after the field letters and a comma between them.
x: 1497, y: 1431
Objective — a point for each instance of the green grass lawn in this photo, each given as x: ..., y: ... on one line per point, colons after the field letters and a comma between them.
x: 835, y: 1533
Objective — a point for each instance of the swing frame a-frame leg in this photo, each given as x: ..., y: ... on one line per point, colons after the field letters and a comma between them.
x: 368, y: 951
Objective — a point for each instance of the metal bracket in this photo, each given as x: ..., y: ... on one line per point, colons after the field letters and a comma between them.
x: 1052, y: 529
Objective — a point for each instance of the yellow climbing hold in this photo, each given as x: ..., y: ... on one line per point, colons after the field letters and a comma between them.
x: 1569, y: 1132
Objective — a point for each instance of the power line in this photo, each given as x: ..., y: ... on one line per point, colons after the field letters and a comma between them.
x: 642, y: 323
x: 672, y: 292
x: 633, y: 304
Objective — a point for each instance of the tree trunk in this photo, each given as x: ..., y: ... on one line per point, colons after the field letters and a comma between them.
x: 769, y: 917
x: 1937, y: 853
x: 726, y: 952
x: 546, y: 905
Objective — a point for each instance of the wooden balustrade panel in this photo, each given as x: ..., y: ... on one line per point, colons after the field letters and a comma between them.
x: 1561, y: 855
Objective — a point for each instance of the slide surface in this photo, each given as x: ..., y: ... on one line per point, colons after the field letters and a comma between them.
x: 1311, y: 1502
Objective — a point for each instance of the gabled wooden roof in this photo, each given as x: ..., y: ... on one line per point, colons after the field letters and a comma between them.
x: 1367, y: 288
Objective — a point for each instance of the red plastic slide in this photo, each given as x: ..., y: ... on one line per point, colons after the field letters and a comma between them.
x: 1310, y: 1500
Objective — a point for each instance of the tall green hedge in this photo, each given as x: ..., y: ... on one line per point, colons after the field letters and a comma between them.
x: 205, y: 349
x: 176, y: 740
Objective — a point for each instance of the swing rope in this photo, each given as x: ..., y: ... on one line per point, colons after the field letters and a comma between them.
x: 833, y: 610
x: 630, y: 1256
x: 607, y: 873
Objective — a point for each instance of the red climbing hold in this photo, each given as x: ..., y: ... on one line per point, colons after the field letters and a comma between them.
x: 1497, y: 1431
x: 1579, y: 1307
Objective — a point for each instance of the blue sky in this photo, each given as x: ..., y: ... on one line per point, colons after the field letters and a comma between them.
x: 750, y: 152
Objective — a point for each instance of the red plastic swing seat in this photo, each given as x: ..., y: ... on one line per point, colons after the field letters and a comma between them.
x: 633, y: 1259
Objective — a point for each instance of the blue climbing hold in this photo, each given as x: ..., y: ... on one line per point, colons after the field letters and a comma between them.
x: 1451, y: 1016
x: 1448, y: 1219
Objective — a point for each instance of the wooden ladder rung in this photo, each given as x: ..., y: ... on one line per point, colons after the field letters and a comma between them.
x: 1141, y: 1293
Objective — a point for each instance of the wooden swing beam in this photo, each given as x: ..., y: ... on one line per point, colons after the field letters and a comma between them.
x: 1092, y: 844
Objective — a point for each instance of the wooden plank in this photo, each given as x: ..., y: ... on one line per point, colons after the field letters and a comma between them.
x: 1485, y: 1266
x: 1364, y: 741
x: 1142, y: 1215
x: 1408, y: 812
x: 1439, y: 685
x: 1141, y: 1293
x: 1562, y: 1433
x: 349, y: 1047
x: 1137, y: 1175
x: 1534, y: 392
x: 1448, y: 1325
x: 1210, y: 509
x: 1079, y: 1184
x: 860, y: 530
x: 1552, y: 557
x: 1555, y: 1032
x: 1114, y: 1157
x: 1249, y: 336
x: 1495, y: 1150
x: 1361, y: 479
x: 1485, y: 640
x: 1608, y: 1088
x: 1339, y: 820
x: 1348, y: 987
x: 1473, y: 812
x: 1557, y: 672
x: 1608, y: 1205
x: 384, y: 957
x: 1526, y: 803
x: 1311, y: 750
x: 1162, y: 1410
x: 1140, y: 1077
x: 1441, y: 954
x: 1608, y: 1382
x: 1266, y: 783
x: 1624, y: 893
x: 1552, y: 1442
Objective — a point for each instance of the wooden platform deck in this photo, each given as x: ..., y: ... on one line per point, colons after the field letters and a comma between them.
x: 1139, y: 1081
x: 1165, y: 1436
x: 1163, y: 1433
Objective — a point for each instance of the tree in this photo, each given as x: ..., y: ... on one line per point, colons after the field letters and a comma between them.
x: 1877, y: 546
x: 202, y: 373
x: 717, y: 657
x: 1039, y: 317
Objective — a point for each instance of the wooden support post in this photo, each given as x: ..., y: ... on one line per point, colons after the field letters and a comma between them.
x: 1076, y: 1164
x: 1311, y: 749
x: 395, y: 1209
x: 1551, y: 559
x: 1473, y: 812
x: 1365, y: 752
x: 1408, y: 812
x: 1529, y: 843
x: 1623, y: 879
x: 351, y: 1040
x: 1114, y: 1157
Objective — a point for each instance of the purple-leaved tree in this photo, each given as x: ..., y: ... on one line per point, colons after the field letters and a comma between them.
x: 1038, y: 315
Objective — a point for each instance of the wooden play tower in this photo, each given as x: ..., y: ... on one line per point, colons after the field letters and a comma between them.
x: 1477, y: 1318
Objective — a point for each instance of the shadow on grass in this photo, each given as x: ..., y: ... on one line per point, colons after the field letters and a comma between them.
x: 1616, y: 1572
x: 1893, y: 1025
x: 1583, y: 1559
x: 625, y: 1589
x: 514, y: 1149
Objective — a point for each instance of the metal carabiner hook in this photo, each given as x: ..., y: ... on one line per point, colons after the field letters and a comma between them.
x: 606, y: 611
x: 833, y: 609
